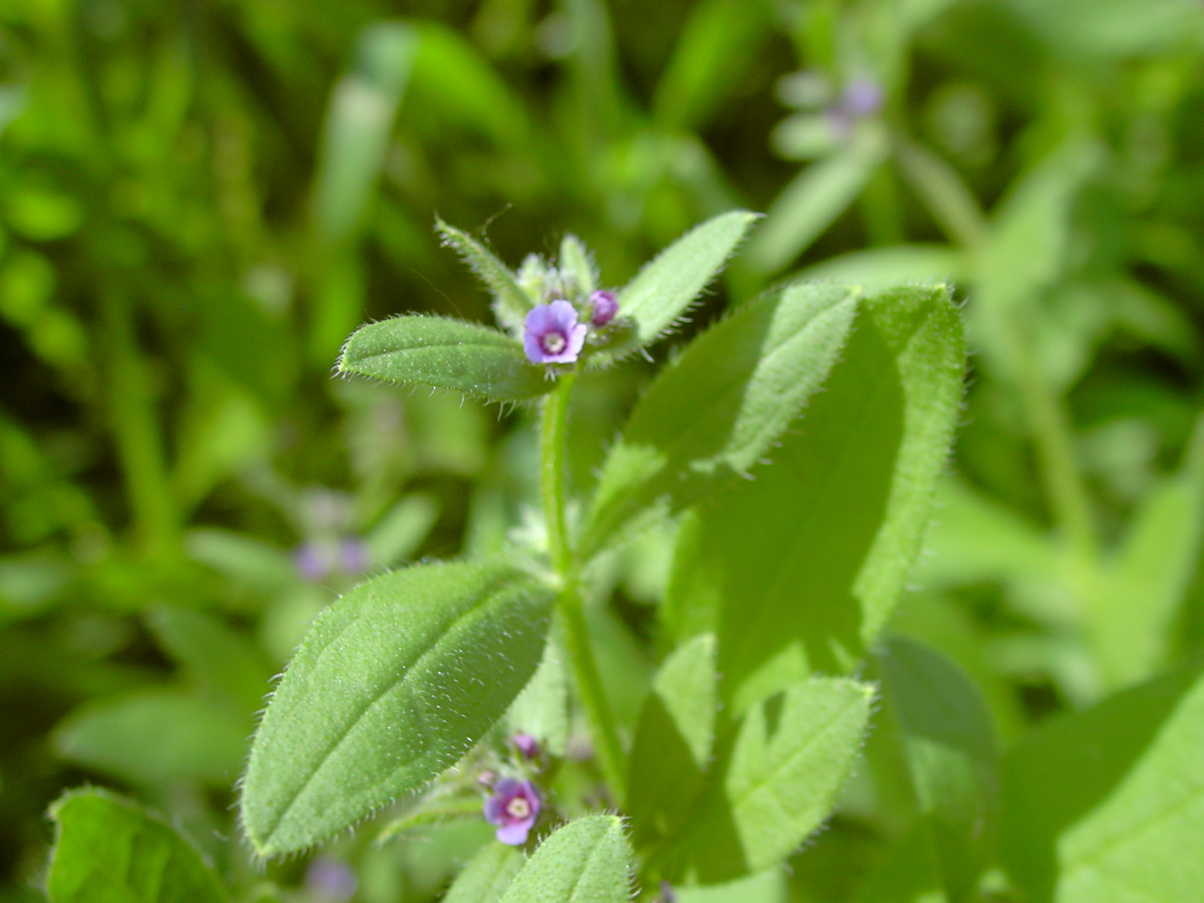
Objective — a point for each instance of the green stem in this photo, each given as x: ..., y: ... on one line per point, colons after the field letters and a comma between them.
x: 569, y: 604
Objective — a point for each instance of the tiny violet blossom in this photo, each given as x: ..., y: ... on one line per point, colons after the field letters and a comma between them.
x: 513, y: 807
x: 553, y: 335
x: 603, y: 306
x: 526, y: 744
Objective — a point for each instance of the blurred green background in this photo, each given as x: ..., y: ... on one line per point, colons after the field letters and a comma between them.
x: 200, y: 201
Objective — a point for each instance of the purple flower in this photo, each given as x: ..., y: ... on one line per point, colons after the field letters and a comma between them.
x: 313, y: 560
x: 553, y: 334
x: 526, y: 744
x: 330, y: 879
x: 513, y: 807
x: 602, y: 308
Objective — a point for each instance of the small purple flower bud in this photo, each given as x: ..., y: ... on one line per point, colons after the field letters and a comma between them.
x: 313, y: 561
x: 553, y: 335
x: 861, y: 97
x: 354, y: 553
x: 330, y: 880
x: 667, y: 894
x: 514, y: 807
x: 602, y: 308
x: 526, y: 744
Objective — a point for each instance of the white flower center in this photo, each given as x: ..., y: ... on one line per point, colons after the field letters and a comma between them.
x: 553, y: 343
x: 518, y: 807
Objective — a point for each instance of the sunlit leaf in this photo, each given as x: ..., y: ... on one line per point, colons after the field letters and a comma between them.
x: 775, y: 781
x: 446, y: 354
x: 662, y: 291
x: 394, y: 682
x: 586, y: 861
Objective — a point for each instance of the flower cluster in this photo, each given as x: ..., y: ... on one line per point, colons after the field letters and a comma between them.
x: 566, y: 315
x: 553, y: 334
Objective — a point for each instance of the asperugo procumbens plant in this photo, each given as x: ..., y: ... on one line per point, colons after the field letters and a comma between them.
x: 779, y: 584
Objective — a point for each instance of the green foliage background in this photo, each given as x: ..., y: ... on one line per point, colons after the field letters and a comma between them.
x: 199, y: 202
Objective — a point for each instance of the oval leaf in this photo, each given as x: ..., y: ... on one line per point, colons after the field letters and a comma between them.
x: 107, y: 850
x: 801, y: 567
x: 393, y: 684
x: 586, y: 861
x: 752, y: 372
x: 447, y: 354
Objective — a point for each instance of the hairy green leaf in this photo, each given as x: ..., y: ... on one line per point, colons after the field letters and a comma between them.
x: 107, y: 850
x: 1107, y: 805
x: 716, y: 409
x: 586, y: 861
x: 510, y: 302
x: 447, y: 354
x: 950, y: 751
x: 775, y: 780
x: 487, y: 876
x: 798, y: 569
x: 394, y: 682
x: 660, y: 293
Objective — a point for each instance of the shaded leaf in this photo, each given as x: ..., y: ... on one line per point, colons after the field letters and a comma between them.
x: 950, y: 750
x: 753, y: 373
x: 1106, y: 805
x: 107, y: 850
x: 671, y: 750
x: 798, y: 569
x: 156, y: 735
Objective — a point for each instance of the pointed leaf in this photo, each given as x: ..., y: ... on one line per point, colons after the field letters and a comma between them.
x: 777, y: 781
x: 586, y: 861
x: 1107, y: 805
x: 447, y: 354
x: 753, y: 372
x: 107, y: 850
x: 660, y: 293
x: 950, y: 751
x: 393, y: 684
x: 672, y: 747
x: 487, y: 876
x: 1153, y: 571
x: 511, y: 303
x: 801, y: 566
x: 575, y: 260
x: 816, y: 197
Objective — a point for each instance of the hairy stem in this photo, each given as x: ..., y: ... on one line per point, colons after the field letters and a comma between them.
x: 569, y: 604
